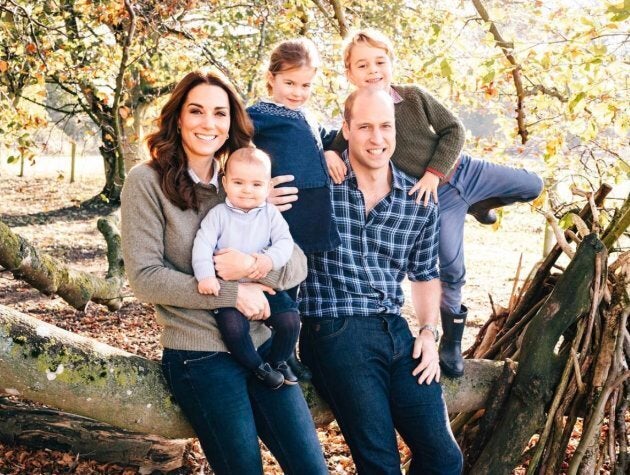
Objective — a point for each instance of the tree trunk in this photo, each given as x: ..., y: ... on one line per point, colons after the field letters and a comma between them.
x: 51, y: 276
x: 134, y: 147
x: 109, y: 152
x: 50, y: 429
x: 113, y: 187
x: 44, y: 363
x: 539, y: 367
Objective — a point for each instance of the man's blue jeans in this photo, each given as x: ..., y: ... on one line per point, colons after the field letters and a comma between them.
x: 473, y: 181
x: 362, y: 366
x: 229, y: 409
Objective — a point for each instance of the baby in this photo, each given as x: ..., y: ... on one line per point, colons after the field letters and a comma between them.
x: 245, y: 222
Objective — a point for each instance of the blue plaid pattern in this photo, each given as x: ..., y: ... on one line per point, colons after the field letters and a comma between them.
x: 362, y: 276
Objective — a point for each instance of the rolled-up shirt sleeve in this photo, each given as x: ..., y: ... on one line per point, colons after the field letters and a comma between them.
x: 423, y: 257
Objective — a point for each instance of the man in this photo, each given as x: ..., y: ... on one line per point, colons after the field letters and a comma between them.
x: 376, y: 376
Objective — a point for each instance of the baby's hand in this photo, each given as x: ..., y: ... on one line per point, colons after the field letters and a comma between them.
x: 209, y: 286
x: 426, y: 187
x: 336, y: 167
x: 262, y: 267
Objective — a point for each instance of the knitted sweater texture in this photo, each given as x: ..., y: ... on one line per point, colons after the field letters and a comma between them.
x: 428, y: 135
x: 157, y: 241
x: 294, y: 141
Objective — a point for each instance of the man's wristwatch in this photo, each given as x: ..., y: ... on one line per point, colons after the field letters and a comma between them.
x: 432, y: 328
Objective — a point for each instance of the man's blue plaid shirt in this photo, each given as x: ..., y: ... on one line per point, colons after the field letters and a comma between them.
x: 362, y: 276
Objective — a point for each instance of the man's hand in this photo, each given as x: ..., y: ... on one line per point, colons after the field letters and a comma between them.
x: 231, y: 264
x: 282, y: 196
x: 262, y: 265
x: 426, y: 187
x: 425, y: 348
x: 209, y: 286
x: 336, y: 167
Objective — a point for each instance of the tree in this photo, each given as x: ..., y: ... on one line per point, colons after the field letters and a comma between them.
x: 560, y: 67
x: 73, y: 46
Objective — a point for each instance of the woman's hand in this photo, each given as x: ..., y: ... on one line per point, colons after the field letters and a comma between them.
x: 251, y: 300
x: 426, y: 187
x: 282, y: 196
x: 231, y: 264
x: 336, y: 167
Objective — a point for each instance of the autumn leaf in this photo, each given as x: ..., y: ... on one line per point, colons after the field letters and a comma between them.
x: 124, y: 111
x: 445, y: 68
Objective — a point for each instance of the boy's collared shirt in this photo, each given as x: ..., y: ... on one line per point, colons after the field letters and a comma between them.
x: 396, y: 239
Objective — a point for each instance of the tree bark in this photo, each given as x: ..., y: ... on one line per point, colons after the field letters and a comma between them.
x: 134, y: 147
x: 46, y: 428
x: 539, y: 367
x: 44, y: 363
x: 50, y: 276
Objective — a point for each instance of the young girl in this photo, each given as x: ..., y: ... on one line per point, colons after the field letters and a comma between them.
x: 429, y: 139
x: 295, y: 142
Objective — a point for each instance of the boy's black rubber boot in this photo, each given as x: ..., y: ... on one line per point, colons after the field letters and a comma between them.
x: 483, y: 211
x: 450, y: 350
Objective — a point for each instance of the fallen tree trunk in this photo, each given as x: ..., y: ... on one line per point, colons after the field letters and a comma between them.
x: 539, y: 367
x: 54, y: 430
x: 50, y: 276
x: 46, y: 364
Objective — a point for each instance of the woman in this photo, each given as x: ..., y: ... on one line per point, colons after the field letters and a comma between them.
x: 163, y: 203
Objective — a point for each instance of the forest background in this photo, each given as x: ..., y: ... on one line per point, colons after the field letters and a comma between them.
x: 540, y: 84
x: 541, y: 80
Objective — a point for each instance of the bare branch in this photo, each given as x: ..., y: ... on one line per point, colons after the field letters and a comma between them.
x: 340, y: 17
x: 559, y: 233
x: 589, y: 430
x: 119, y: 87
x: 329, y: 18
x: 506, y: 47
x: 549, y: 91
x: 259, y: 50
x: 208, y: 53
x: 576, y: 369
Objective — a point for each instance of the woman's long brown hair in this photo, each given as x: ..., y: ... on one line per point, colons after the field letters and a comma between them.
x: 165, y: 145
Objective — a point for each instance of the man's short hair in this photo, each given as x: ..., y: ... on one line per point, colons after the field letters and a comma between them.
x: 368, y: 91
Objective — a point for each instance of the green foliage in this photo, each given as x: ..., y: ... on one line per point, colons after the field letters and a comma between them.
x: 571, y: 59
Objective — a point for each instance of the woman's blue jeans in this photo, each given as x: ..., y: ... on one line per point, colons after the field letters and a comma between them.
x: 229, y: 410
x: 473, y: 181
x: 362, y: 366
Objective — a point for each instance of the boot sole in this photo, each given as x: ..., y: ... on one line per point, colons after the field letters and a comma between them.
x: 450, y: 373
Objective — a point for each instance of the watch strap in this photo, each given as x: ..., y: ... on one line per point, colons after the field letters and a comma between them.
x: 432, y: 328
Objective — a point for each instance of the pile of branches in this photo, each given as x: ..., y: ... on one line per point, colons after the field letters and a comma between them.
x: 566, y: 347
